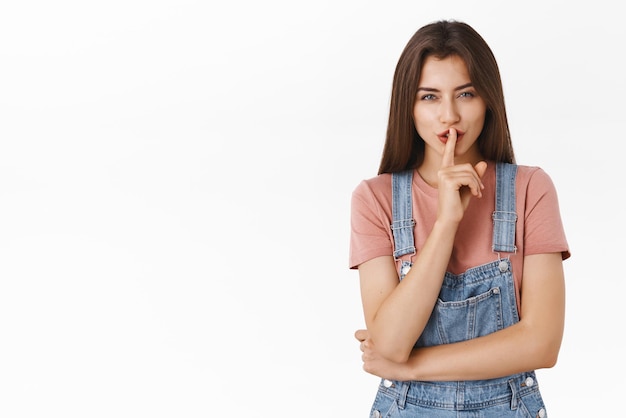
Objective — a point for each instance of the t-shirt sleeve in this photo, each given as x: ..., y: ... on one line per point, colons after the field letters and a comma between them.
x: 543, y: 232
x: 369, y: 227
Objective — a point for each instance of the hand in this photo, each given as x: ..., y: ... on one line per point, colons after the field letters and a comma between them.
x: 377, y: 365
x: 457, y: 183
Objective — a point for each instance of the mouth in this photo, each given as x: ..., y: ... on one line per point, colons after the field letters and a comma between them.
x: 443, y: 136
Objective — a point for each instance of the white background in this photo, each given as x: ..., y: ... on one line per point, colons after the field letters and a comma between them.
x: 175, y: 179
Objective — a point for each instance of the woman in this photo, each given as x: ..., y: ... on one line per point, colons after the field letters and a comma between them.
x: 459, y: 250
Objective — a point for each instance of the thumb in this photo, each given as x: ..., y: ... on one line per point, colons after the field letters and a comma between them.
x: 481, y: 168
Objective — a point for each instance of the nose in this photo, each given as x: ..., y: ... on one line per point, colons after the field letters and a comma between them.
x: 448, y: 112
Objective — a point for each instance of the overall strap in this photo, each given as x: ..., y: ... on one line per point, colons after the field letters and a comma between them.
x: 505, y: 217
x: 402, y: 212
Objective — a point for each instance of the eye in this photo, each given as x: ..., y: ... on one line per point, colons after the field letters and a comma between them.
x: 428, y: 97
x: 467, y: 94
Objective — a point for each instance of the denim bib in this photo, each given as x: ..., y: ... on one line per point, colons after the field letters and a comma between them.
x: 477, y: 302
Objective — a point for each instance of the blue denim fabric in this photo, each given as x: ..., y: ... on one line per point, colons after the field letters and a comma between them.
x: 402, y: 212
x: 472, y: 304
x: 504, y: 217
x: 512, y: 396
x: 476, y: 303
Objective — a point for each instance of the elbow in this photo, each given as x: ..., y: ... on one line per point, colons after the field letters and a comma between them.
x: 550, y: 358
x: 543, y: 361
x: 545, y: 355
x: 399, y: 357
x: 389, y: 346
x: 542, y: 344
x: 550, y: 350
x: 393, y: 353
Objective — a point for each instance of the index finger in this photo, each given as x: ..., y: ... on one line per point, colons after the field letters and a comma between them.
x: 448, y: 152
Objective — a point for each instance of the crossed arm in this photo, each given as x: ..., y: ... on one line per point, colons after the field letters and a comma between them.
x: 530, y: 344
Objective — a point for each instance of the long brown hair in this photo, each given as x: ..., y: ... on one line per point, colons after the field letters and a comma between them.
x: 404, y: 149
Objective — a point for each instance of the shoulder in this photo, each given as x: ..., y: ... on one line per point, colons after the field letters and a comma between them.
x: 371, y: 201
x: 377, y: 186
x: 534, y: 180
x: 528, y: 171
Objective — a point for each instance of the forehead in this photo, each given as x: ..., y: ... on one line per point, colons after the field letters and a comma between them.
x: 443, y: 72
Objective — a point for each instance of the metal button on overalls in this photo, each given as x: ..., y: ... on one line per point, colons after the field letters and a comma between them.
x: 405, y: 269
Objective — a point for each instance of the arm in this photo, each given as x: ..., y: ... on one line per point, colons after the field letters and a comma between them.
x: 397, y: 312
x: 531, y: 344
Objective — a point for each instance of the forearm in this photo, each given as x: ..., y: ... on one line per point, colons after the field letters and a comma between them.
x: 402, y: 316
x: 512, y: 350
x: 530, y: 344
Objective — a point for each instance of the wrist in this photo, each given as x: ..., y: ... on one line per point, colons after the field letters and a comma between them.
x: 445, y: 227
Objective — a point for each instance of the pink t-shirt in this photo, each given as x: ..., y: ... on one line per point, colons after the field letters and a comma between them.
x: 539, y: 227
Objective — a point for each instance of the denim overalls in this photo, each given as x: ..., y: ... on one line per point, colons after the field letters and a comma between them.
x: 471, y: 304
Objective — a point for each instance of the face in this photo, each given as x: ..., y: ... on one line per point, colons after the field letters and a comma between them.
x: 446, y: 99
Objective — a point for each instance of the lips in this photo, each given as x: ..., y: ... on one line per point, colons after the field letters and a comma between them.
x: 443, y: 136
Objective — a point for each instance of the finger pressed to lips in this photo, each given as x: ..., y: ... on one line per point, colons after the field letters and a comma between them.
x: 448, y: 152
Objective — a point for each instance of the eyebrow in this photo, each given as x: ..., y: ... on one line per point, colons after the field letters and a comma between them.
x: 461, y: 87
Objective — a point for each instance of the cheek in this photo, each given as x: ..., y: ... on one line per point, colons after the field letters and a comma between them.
x: 421, y: 118
x: 420, y: 126
x: 478, y: 117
